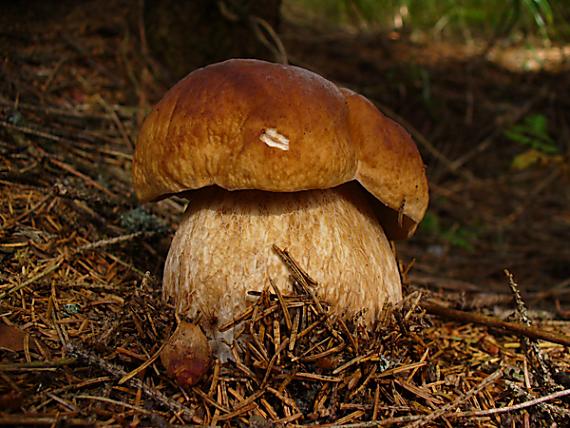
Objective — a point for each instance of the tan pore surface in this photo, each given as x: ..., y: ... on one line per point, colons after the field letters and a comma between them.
x: 223, y: 249
x: 249, y: 124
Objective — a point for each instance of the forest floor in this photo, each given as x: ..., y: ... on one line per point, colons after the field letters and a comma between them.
x: 82, y: 321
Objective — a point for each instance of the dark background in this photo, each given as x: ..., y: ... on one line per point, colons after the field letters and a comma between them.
x: 482, y: 88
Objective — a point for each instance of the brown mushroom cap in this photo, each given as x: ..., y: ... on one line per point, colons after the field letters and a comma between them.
x: 250, y: 124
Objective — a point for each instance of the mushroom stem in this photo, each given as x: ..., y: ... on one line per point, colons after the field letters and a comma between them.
x: 223, y: 249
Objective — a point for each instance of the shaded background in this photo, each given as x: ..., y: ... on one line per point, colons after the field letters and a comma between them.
x: 481, y: 86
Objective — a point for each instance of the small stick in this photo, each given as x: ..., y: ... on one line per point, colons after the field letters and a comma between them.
x: 115, y: 240
x: 31, y: 131
x: 115, y: 118
x: 118, y: 372
x: 118, y: 403
x: 31, y: 420
x: 525, y: 395
x: 277, y: 47
x: 461, y: 399
x: 523, y: 405
x: 88, y: 180
x: 476, y: 318
x: 14, y: 367
x: 532, y: 352
x: 519, y: 302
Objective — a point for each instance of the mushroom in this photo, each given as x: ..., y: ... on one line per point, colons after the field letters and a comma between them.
x: 275, y: 154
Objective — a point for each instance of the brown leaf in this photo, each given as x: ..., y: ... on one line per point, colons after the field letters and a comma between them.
x: 12, y: 338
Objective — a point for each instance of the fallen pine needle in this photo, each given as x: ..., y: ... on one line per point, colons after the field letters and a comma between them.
x: 142, y: 367
x: 118, y: 403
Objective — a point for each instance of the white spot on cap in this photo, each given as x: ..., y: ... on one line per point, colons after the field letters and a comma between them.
x: 274, y: 139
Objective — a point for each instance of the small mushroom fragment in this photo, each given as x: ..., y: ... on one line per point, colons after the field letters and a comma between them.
x: 274, y: 154
x: 186, y: 355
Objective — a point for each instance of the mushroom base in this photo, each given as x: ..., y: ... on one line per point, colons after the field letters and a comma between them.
x: 223, y: 249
